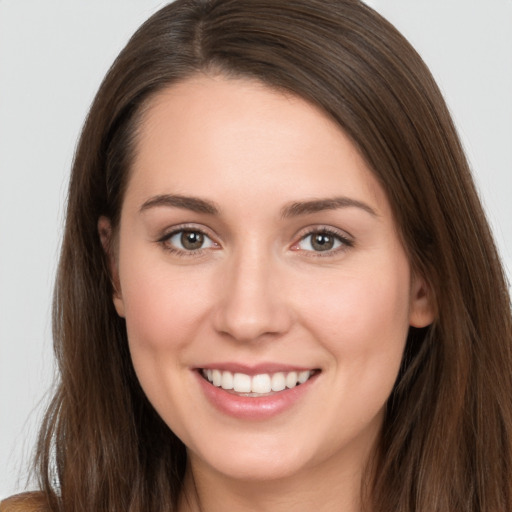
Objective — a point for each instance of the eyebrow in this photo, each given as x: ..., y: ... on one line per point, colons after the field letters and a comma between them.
x: 294, y: 209
x: 193, y: 204
x: 318, y: 205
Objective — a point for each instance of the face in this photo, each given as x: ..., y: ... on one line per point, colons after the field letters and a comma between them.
x: 266, y: 293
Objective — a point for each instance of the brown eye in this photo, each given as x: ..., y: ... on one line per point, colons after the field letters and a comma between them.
x: 322, y: 241
x: 188, y: 240
x: 191, y: 240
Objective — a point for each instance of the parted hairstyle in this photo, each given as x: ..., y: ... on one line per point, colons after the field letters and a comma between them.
x: 446, y: 440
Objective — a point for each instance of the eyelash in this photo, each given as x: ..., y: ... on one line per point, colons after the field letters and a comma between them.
x: 165, y: 241
x: 341, y: 237
x: 345, y: 242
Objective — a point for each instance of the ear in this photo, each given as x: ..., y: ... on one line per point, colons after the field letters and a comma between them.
x: 106, y: 237
x: 422, y: 309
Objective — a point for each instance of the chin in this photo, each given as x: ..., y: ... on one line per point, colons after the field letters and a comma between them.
x: 254, y: 461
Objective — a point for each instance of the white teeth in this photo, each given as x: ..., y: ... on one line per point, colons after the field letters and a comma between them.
x: 278, y: 381
x: 242, y: 383
x: 260, y: 384
x: 217, y: 378
x: 303, y: 377
x: 291, y: 380
x: 227, y: 380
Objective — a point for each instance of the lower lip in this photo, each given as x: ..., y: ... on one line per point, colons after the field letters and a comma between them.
x: 254, y: 408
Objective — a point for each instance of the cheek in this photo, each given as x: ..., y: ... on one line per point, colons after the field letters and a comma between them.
x: 362, y: 321
x: 362, y: 315
x: 163, y: 312
x: 162, y: 308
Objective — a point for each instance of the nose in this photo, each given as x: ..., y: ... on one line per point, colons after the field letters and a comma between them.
x: 252, y: 302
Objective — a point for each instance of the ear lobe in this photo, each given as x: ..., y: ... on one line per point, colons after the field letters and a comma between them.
x: 105, y: 233
x: 422, y: 310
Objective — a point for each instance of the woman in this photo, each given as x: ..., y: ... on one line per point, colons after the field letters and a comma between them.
x: 277, y: 287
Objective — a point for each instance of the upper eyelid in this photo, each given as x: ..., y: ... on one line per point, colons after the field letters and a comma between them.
x: 347, y: 241
x: 322, y: 228
x: 167, y: 233
x: 164, y: 241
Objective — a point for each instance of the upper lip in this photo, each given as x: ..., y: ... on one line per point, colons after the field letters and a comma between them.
x: 255, y: 369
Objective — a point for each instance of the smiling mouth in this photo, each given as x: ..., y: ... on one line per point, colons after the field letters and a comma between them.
x: 256, y: 385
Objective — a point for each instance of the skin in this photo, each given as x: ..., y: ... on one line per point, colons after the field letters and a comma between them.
x: 257, y: 291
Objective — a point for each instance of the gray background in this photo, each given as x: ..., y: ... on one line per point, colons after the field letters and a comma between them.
x: 53, y: 55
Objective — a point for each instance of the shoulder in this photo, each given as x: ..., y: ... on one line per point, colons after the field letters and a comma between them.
x: 25, y: 502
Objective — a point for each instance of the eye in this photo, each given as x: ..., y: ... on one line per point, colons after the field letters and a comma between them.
x: 322, y: 240
x: 188, y: 240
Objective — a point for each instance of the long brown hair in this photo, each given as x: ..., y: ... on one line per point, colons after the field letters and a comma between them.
x: 446, y: 442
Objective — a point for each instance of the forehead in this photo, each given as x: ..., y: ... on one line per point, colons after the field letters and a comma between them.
x: 206, y: 134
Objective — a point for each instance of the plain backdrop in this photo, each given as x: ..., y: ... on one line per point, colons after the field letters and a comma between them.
x: 53, y: 55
